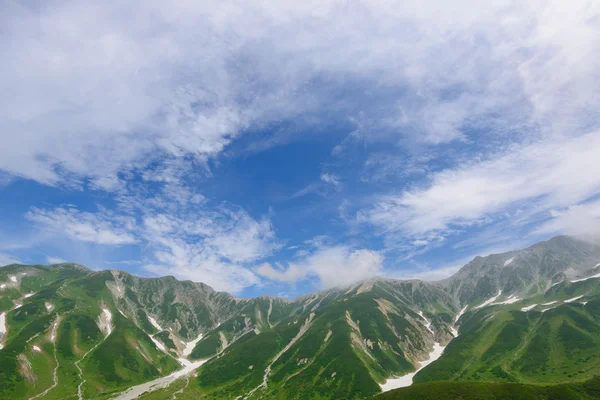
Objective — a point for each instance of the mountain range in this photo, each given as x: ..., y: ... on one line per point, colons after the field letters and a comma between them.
x: 518, y: 320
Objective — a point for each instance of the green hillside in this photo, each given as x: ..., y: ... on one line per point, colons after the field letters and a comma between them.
x: 588, y: 390
x: 530, y: 316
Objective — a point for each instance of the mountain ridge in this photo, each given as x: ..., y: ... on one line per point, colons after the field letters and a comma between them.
x: 337, y: 343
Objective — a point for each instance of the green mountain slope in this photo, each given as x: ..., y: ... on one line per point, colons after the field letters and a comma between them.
x: 527, y: 316
x: 495, y: 391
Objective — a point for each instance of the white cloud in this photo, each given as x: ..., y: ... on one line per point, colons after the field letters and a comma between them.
x: 6, y: 259
x: 99, y: 94
x: 580, y: 220
x: 330, y: 178
x: 100, y: 228
x: 547, y: 175
x: 332, y: 266
x: 217, y: 247
x: 55, y: 260
x: 291, y: 274
x: 434, y: 274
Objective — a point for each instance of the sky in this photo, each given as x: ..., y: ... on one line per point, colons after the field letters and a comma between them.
x: 277, y: 148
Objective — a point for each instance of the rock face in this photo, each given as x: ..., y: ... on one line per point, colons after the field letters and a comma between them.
x: 111, y: 331
x: 531, y: 271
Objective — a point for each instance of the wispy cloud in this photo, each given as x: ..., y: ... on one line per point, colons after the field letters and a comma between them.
x: 544, y: 175
x: 187, y: 79
x: 332, y: 179
x: 6, y: 259
x: 55, y: 260
x: 100, y: 228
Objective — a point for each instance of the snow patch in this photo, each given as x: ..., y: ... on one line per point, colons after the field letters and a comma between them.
x: 550, y: 303
x: 13, y: 278
x: 19, y: 305
x: 525, y: 309
x: 28, y: 295
x: 573, y: 299
x: 2, y: 327
x: 546, y: 309
x: 48, y: 306
x: 554, y: 284
x: 189, y: 346
x: 427, y: 322
x: 105, y: 322
x: 35, y: 348
x: 159, y: 344
x: 3, y: 286
x: 460, y: 314
x: 123, y: 314
x: 407, y: 380
x: 585, y: 279
x: 512, y: 299
x: 328, y: 335
x: 597, y: 265
x: 584, y: 302
x: 160, y: 383
x: 489, y: 301
x: 53, y: 332
x: 154, y: 323
x: 507, y: 262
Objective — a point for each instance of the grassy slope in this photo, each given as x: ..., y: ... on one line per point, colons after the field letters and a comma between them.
x: 559, y: 345
x: 115, y: 364
x: 313, y: 367
x: 495, y: 391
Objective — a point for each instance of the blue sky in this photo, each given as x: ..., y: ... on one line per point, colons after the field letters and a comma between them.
x: 283, y: 148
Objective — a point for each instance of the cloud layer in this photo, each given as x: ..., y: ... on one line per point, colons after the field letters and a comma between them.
x: 472, y: 115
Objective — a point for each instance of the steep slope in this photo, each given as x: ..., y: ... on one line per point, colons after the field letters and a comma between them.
x: 523, y: 273
x: 495, y: 391
x: 558, y: 342
x: 342, y: 346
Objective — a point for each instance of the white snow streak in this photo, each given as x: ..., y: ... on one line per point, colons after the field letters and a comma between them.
x: 407, y: 380
x: 13, y: 278
x: 550, y: 303
x: 160, y: 383
x: 529, y: 307
x: 512, y: 299
x: 154, y: 323
x: 585, y: 279
x: 189, y: 346
x: 2, y: 327
x: 35, y: 348
x: 573, y: 299
x: 427, y: 322
x: 159, y: 344
x: 489, y: 301
x: 460, y: 314
x: 507, y: 262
